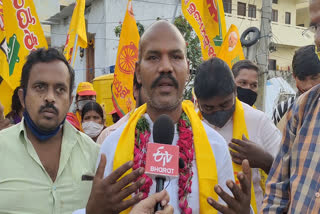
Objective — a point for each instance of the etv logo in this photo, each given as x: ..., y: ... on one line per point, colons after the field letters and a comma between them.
x: 165, y: 157
x: 162, y: 159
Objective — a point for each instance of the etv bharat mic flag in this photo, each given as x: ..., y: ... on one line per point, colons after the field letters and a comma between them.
x: 77, y: 35
x: 207, y: 19
x: 231, y: 50
x: 20, y: 33
x: 122, y: 87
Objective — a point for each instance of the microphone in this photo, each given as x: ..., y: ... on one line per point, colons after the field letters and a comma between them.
x: 163, y: 132
x: 162, y: 158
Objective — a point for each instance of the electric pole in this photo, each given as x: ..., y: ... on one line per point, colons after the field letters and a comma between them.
x: 175, y: 12
x: 263, y: 51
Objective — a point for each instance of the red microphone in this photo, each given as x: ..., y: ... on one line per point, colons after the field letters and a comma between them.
x: 162, y: 159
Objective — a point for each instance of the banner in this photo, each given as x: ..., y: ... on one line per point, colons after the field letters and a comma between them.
x: 20, y: 33
x: 122, y: 87
x: 77, y: 34
x: 207, y: 19
x: 231, y: 50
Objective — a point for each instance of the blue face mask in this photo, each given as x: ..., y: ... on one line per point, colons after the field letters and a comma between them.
x: 36, y: 131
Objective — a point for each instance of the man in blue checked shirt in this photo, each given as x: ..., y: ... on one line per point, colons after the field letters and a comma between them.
x: 293, y: 184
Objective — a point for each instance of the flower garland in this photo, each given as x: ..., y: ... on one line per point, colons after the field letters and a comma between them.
x: 185, y: 143
x: 186, y: 150
x: 142, y: 135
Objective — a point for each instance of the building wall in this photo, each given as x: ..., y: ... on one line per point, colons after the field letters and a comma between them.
x: 65, y: 2
x: 45, y: 9
x: 283, y: 7
x: 283, y: 55
x: 303, y: 17
x: 94, y: 15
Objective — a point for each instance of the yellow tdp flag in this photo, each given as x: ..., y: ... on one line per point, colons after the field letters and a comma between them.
x: 231, y: 50
x: 20, y: 33
x: 207, y: 19
x: 77, y: 35
x: 6, y: 96
x: 122, y: 87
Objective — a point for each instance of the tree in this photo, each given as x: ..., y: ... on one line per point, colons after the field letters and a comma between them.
x: 193, y: 51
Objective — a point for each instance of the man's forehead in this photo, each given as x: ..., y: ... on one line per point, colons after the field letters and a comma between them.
x: 216, y: 100
x: 161, y: 32
x: 247, y: 72
x: 48, y: 70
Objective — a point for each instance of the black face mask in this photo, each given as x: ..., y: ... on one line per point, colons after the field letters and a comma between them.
x: 219, y: 118
x: 246, y: 95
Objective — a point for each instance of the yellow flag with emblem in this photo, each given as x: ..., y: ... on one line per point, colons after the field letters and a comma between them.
x: 207, y: 19
x: 20, y: 33
x: 231, y: 50
x: 127, y: 56
x: 77, y: 34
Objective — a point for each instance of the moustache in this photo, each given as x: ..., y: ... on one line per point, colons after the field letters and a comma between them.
x: 164, y: 76
x: 48, y: 106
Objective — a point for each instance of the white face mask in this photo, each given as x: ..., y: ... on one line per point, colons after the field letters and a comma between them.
x: 92, y: 129
x: 82, y: 103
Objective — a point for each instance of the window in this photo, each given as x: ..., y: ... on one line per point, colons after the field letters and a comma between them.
x: 274, y: 16
x: 272, y: 65
x: 275, y: 1
x: 227, y: 5
x: 288, y: 18
x: 252, y: 9
x: 241, y: 9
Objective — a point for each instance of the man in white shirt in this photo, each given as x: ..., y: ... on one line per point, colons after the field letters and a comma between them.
x: 163, y: 70
x: 215, y: 89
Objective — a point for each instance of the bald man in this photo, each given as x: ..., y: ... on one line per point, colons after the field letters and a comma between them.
x: 293, y: 184
x: 162, y: 70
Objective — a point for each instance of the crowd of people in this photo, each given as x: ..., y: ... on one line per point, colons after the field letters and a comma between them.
x: 236, y: 159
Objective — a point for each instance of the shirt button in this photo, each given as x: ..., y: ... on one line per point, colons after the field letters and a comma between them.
x: 317, y: 194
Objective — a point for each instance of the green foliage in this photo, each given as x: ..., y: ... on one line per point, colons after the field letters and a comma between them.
x: 117, y: 29
x: 193, y: 51
x: 192, y: 42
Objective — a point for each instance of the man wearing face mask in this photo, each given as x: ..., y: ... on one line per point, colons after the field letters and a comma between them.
x: 85, y: 94
x: 245, y: 75
x: 249, y: 132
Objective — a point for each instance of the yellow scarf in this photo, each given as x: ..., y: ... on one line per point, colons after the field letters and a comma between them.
x: 239, y: 129
x: 207, y: 175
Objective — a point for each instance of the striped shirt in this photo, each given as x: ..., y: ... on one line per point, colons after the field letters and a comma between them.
x: 293, y: 185
x: 281, y: 109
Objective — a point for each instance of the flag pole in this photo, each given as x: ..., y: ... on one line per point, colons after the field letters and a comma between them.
x: 74, y: 51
